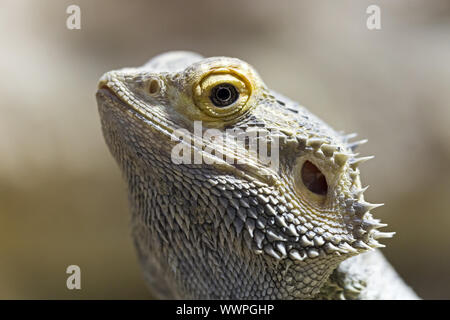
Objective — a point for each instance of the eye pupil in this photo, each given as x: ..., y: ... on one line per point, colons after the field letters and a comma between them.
x: 224, y: 95
x: 313, y: 179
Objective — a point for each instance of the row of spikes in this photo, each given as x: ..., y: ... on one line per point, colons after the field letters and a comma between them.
x: 361, y: 208
x: 340, y: 157
x: 321, y: 144
x: 279, y: 251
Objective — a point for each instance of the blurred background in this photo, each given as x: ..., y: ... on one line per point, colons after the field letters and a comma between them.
x: 62, y: 199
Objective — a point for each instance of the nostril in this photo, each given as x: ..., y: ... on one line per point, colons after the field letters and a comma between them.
x: 313, y: 179
x: 154, y: 86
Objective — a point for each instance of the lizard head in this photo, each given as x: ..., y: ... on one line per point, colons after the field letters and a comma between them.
x: 239, y: 180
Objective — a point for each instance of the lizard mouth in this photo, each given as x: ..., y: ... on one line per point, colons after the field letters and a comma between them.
x: 104, y: 89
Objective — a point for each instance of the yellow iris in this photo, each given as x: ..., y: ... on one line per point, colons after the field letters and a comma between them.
x: 222, y: 79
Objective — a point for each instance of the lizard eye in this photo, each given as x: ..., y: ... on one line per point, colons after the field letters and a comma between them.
x: 222, y: 93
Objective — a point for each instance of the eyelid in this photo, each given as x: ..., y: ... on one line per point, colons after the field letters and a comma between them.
x: 214, y: 79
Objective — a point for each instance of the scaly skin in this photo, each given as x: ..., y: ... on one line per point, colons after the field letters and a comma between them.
x: 226, y: 230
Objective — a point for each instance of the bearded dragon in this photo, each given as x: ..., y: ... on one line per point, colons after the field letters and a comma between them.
x: 220, y: 228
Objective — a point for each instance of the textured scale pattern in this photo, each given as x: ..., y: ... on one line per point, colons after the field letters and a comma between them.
x: 220, y: 231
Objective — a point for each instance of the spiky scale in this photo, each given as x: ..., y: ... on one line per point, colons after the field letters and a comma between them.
x: 375, y: 244
x: 238, y: 225
x: 315, y: 142
x: 296, y: 255
x: 361, y: 191
x: 313, y: 253
x: 356, y: 144
x: 356, y: 162
x: 341, y: 158
x: 330, y: 248
x: 318, y: 241
x: 328, y: 149
x: 281, y: 221
x: 292, y: 231
x: 378, y: 235
x: 305, y: 242
x: 346, y: 247
x: 270, y: 251
x: 272, y: 236
x: 250, y: 224
x: 362, y: 245
x: 363, y: 207
x: 373, y: 224
x: 259, y: 238
x: 281, y: 249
